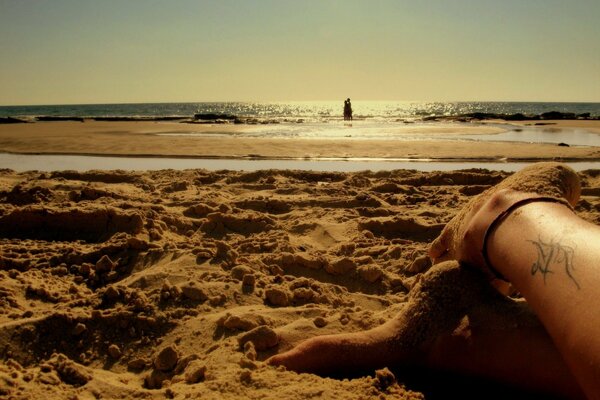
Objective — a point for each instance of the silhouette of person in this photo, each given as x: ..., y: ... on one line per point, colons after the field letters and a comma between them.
x: 347, y: 110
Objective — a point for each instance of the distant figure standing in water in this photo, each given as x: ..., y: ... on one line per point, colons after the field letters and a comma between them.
x: 347, y: 110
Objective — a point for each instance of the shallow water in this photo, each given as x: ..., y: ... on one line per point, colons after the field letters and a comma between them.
x: 544, y: 134
x: 359, y: 130
x: 365, y: 130
x: 20, y: 162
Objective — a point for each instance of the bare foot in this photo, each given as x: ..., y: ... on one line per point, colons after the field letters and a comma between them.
x: 453, y: 320
x: 405, y: 338
x: 463, y: 237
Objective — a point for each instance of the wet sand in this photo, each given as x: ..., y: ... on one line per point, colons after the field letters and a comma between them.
x: 148, y: 285
x: 228, y: 141
x: 592, y: 126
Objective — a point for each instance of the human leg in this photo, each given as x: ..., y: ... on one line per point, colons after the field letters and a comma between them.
x: 455, y: 321
x: 485, y: 350
x: 532, y: 237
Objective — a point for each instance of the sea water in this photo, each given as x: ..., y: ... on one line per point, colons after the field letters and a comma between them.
x: 306, y: 111
x: 43, y: 162
x: 323, y: 119
x: 387, y: 120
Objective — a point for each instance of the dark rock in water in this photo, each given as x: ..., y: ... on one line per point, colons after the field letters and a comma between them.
x: 126, y: 119
x: 212, y: 116
x: 563, y: 144
x: 506, y: 117
x: 557, y: 115
x: 11, y: 120
x: 48, y: 118
x: 519, y: 117
x: 482, y: 115
x: 513, y: 117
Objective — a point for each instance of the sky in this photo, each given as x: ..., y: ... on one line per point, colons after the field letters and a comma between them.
x: 124, y: 51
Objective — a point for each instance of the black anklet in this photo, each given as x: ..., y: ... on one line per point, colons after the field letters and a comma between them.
x: 502, y: 217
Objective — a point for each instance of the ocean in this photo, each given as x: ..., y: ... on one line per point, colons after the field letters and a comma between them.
x: 372, y: 120
x: 315, y: 112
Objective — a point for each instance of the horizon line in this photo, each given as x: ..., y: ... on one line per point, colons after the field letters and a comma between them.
x: 295, y: 101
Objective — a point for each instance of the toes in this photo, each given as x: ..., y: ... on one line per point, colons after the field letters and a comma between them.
x: 277, y: 360
x: 300, y: 359
x: 440, y: 245
x: 289, y: 361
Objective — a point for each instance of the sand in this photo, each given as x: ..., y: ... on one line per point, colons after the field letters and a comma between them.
x: 229, y: 141
x: 179, y: 284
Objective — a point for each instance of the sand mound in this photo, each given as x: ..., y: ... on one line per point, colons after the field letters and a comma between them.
x: 399, y: 227
x: 59, y: 224
x: 180, y: 284
x: 20, y: 195
x: 97, y: 176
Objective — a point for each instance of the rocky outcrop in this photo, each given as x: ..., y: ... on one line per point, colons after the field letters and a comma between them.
x: 50, y: 118
x: 551, y: 115
x: 12, y: 120
x: 213, y: 116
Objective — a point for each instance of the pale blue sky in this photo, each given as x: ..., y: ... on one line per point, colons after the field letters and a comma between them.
x: 97, y: 51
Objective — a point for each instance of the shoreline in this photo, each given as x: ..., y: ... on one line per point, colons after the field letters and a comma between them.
x: 223, y: 117
x: 318, y: 159
x: 53, y: 163
x: 142, y: 139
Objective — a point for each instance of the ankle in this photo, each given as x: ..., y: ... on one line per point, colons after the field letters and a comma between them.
x: 493, y: 213
x: 520, y: 223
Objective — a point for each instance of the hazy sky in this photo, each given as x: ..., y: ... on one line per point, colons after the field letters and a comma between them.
x: 103, y: 51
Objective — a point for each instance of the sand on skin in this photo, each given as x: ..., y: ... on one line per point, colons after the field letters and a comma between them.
x: 180, y: 283
x: 227, y: 141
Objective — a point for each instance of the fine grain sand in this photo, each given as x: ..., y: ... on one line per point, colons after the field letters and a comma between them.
x: 232, y: 141
x: 179, y: 284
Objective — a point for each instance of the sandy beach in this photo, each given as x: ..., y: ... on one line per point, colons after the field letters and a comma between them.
x: 229, y: 141
x: 147, y: 285
x: 294, y: 200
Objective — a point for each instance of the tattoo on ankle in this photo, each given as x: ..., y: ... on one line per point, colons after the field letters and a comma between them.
x: 553, y: 253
